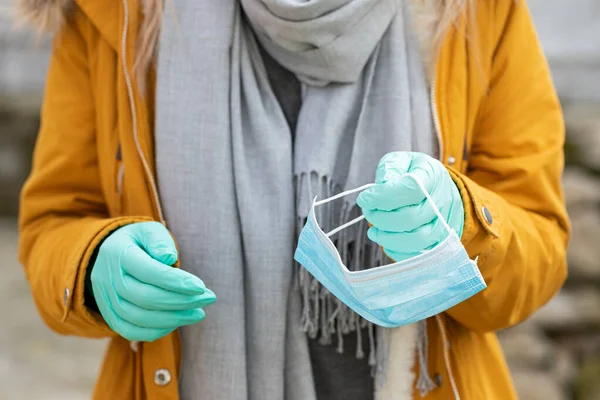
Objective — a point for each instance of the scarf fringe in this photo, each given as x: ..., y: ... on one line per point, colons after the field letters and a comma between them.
x: 424, y: 382
x: 323, y: 315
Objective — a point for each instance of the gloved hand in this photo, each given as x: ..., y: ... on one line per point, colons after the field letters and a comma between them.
x: 404, y: 223
x: 139, y: 294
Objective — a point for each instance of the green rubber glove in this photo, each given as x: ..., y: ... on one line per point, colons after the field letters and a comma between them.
x: 139, y: 294
x: 404, y: 223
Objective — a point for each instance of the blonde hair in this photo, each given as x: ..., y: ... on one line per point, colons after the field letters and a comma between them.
x: 153, y: 12
x: 450, y: 10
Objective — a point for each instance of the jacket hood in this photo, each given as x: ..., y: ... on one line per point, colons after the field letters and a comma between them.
x: 44, y: 15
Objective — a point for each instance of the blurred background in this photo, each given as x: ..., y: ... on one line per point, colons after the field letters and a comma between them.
x: 553, y: 356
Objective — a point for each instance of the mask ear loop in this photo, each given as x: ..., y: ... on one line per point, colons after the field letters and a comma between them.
x: 367, y: 186
x: 339, y: 196
x: 431, y: 202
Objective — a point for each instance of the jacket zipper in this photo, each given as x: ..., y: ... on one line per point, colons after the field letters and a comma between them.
x: 445, y: 339
x: 134, y: 345
x: 147, y: 170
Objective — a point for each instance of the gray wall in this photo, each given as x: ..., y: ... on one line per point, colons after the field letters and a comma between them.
x: 570, y: 34
x: 23, y: 63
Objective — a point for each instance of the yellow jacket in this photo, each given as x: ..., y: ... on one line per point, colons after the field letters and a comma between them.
x: 501, y: 132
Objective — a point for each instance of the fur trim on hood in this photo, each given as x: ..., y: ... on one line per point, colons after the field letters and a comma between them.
x: 47, y: 16
x: 44, y: 15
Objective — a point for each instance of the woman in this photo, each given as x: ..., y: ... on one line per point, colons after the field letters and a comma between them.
x: 252, y: 109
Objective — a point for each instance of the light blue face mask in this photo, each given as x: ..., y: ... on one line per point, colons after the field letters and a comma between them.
x: 396, y: 294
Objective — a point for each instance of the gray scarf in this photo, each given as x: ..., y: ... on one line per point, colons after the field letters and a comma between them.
x: 232, y: 179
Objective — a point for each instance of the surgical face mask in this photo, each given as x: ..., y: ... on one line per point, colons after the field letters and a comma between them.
x: 396, y: 294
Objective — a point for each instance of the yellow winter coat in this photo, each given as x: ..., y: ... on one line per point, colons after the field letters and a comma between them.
x: 501, y: 132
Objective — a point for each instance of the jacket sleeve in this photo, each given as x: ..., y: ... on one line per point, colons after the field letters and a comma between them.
x: 515, y: 221
x: 63, y: 215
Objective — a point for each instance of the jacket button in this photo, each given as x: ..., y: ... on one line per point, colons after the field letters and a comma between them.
x: 162, y: 377
x: 451, y: 160
x: 487, y: 215
x: 66, y: 294
x: 437, y: 379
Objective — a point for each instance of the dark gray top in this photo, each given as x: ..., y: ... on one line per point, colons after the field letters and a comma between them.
x: 337, y: 376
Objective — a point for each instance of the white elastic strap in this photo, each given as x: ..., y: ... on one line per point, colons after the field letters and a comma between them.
x: 435, y: 208
x: 347, y: 224
x: 344, y: 194
x: 339, y: 196
x: 446, y: 352
x: 367, y: 186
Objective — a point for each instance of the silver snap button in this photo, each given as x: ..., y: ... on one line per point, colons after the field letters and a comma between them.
x: 451, y: 160
x: 162, y: 377
x: 66, y: 294
x: 487, y: 215
x: 134, y: 345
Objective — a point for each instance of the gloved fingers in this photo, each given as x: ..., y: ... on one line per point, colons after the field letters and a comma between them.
x: 124, y: 328
x: 399, y: 189
x: 157, y: 319
x: 391, y: 195
x: 410, y: 217
x: 154, y: 298
x: 137, y: 263
x: 404, y: 219
x: 394, y: 188
x: 427, y: 171
x: 393, y: 165
x: 415, y: 241
x: 157, y: 241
